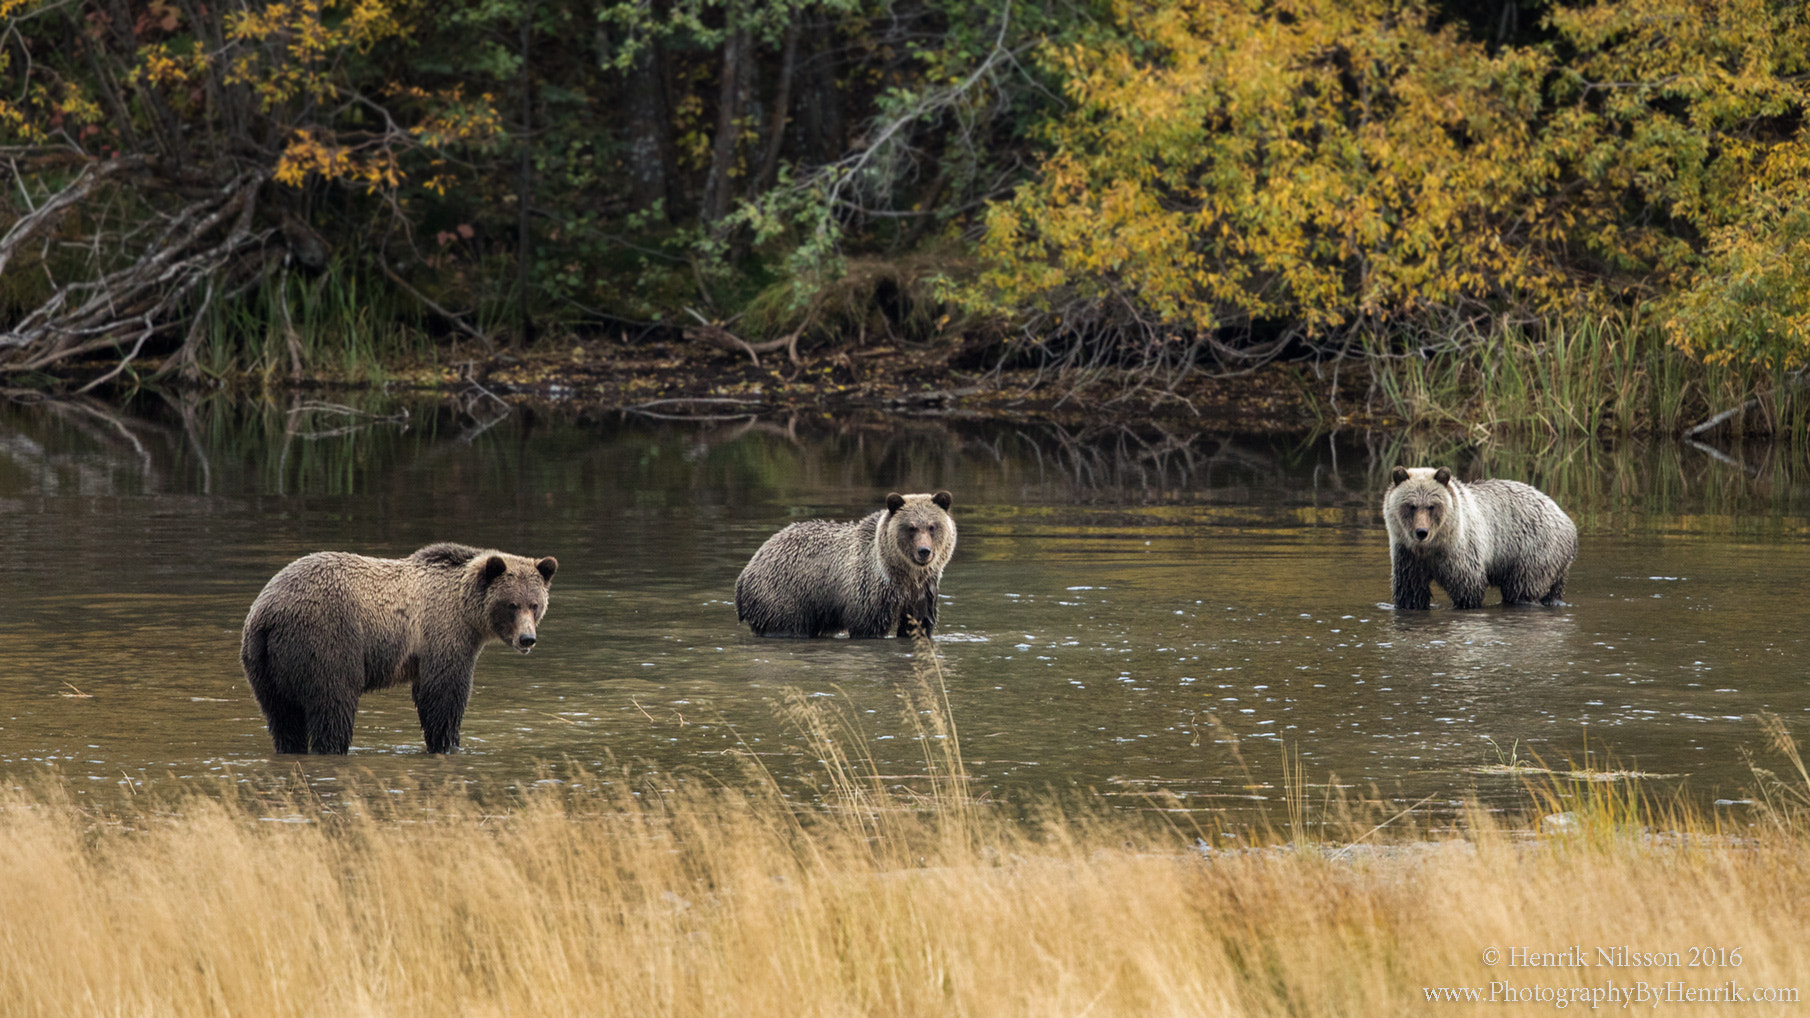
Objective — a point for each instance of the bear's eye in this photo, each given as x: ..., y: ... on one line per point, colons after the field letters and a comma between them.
x: 514, y: 607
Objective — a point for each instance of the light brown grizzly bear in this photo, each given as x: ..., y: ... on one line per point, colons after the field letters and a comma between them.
x: 331, y: 626
x: 1470, y: 537
x: 871, y: 577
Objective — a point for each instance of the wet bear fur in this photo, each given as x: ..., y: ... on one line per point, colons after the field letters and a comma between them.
x: 1470, y: 537
x: 332, y: 625
x: 871, y: 577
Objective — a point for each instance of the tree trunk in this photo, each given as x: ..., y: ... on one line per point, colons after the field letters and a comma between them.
x: 782, y: 105
x: 732, y: 99
x: 525, y: 189
x: 823, y: 126
x: 650, y: 148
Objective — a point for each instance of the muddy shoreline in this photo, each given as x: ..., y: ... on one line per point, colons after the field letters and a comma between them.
x: 694, y: 380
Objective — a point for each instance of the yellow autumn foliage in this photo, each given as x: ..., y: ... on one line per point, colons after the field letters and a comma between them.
x: 1751, y: 303
x: 313, y: 152
x: 294, y: 51
x: 1319, y: 161
x: 291, y: 44
x: 1324, y: 166
x: 159, y: 66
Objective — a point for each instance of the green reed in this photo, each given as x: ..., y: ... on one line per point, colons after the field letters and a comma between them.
x: 338, y: 323
x: 1592, y: 376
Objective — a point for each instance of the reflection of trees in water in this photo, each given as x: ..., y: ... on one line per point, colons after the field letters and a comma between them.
x: 1156, y: 465
x: 77, y: 447
x: 171, y: 444
x: 220, y: 443
x: 1040, y: 461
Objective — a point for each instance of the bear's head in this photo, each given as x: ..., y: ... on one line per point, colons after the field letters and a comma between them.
x: 1418, y: 504
x: 917, y: 530
x: 515, y: 596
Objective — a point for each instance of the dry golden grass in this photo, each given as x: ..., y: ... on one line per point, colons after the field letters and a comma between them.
x: 589, y: 899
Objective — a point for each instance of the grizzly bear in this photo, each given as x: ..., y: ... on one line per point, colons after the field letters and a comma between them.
x: 870, y: 577
x: 1470, y: 537
x: 332, y: 625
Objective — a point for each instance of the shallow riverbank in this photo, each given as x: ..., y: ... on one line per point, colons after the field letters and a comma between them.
x: 700, y: 380
x: 1595, y: 379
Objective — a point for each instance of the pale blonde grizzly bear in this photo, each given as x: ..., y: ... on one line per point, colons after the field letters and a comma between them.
x: 1470, y: 537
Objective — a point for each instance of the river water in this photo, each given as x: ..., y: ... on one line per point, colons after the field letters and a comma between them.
x: 1158, y: 618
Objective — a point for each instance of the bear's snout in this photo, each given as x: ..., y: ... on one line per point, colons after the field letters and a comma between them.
x: 921, y: 553
x: 515, y: 626
x: 524, y: 632
x: 1420, y: 533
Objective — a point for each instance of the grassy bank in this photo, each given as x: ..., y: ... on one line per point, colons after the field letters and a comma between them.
x: 1584, y: 378
x: 601, y: 897
x: 881, y: 336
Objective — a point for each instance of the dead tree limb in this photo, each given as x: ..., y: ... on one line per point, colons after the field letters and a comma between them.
x: 206, y: 240
x: 46, y: 215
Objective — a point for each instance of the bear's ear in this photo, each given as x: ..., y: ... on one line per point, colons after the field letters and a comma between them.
x: 895, y: 502
x: 943, y: 499
x: 547, y: 567
x: 1400, y: 475
x: 1443, y: 476
x: 494, y: 567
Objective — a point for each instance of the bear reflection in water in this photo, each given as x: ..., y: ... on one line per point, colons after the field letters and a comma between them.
x: 1497, y: 652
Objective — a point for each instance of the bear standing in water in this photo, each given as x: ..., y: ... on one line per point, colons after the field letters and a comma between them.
x: 331, y: 626
x: 873, y: 576
x: 1470, y: 537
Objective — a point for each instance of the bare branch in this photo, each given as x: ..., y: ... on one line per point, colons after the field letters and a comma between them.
x: 46, y: 215
x: 205, y: 241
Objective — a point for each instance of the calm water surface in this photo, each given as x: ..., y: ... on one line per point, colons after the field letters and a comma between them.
x: 1128, y: 612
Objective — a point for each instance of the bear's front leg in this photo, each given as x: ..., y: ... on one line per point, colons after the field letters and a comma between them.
x: 440, y: 697
x: 1466, y: 591
x: 1411, y: 586
x: 919, y: 616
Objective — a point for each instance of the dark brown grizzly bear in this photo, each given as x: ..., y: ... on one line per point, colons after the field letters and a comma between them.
x: 871, y: 577
x: 1470, y: 537
x: 332, y: 625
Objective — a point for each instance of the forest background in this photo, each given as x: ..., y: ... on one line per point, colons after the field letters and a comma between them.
x: 1457, y: 193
